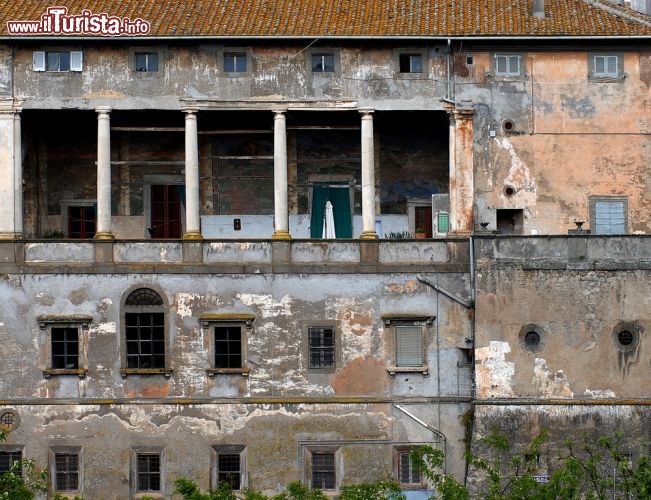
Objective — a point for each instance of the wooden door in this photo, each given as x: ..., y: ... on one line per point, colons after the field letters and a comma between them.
x: 165, y: 211
x: 424, y: 220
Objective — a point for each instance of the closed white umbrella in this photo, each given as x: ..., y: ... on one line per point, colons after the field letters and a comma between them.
x: 329, y: 223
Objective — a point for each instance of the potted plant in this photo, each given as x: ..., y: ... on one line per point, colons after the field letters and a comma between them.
x: 420, y: 233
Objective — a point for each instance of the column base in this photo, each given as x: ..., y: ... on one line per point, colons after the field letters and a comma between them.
x: 368, y: 235
x: 281, y: 235
x: 193, y: 236
x: 11, y: 236
x: 104, y: 236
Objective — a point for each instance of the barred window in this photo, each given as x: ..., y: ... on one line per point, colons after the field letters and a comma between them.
x: 407, y: 471
x: 144, y: 321
x: 322, y: 347
x: 323, y: 470
x: 8, y: 458
x: 148, y: 471
x: 229, y: 469
x: 66, y: 474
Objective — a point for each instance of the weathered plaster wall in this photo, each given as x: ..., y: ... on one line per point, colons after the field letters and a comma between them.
x: 578, y: 294
x: 574, y: 137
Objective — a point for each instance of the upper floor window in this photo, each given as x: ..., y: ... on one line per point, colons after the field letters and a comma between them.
x: 409, y: 337
x: 146, y: 61
x: 228, y: 347
x: 144, y: 323
x: 322, y: 347
x: 228, y: 337
x: 323, y: 63
x: 608, y: 214
x: 507, y: 65
x: 58, y: 61
x: 64, y: 344
x: 235, y: 62
x: 605, y: 66
x: 81, y: 222
x: 411, y: 63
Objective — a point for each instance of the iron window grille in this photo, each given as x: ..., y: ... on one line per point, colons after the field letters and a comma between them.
x: 146, y: 61
x: 324, y: 474
x: 235, y: 62
x: 229, y: 470
x: 66, y: 471
x: 408, y: 473
x: 322, y: 347
x: 65, y: 348
x: 411, y: 63
x: 8, y: 459
x: 149, y: 471
x: 323, y: 63
x: 228, y: 347
x: 145, y: 330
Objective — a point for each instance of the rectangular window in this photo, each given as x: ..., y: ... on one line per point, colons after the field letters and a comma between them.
x: 148, y: 471
x: 146, y: 61
x: 235, y: 62
x: 323, y: 63
x: 8, y: 458
x: 507, y: 65
x: 81, y: 222
x: 407, y: 472
x: 145, y: 336
x: 411, y: 63
x: 605, y: 66
x: 228, y: 347
x: 58, y: 61
x: 409, y: 346
x: 66, y: 475
x: 323, y: 470
x: 443, y: 222
x: 228, y: 469
x: 65, y: 348
x: 608, y: 215
x: 322, y: 347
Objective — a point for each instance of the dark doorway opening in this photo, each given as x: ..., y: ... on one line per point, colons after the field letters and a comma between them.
x: 424, y: 220
x: 509, y: 221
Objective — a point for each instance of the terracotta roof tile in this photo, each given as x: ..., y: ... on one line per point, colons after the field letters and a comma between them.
x: 358, y: 18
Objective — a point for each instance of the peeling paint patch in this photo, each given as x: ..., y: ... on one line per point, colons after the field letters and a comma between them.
x: 269, y: 307
x: 184, y: 303
x: 109, y: 327
x: 494, y: 373
x: 519, y: 177
x: 578, y: 108
x: 552, y: 385
x: 600, y: 394
x: 362, y: 376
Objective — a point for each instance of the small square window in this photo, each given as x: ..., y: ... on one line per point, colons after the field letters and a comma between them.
x: 507, y: 65
x: 235, y: 62
x: 608, y: 214
x: 322, y: 347
x: 146, y: 61
x: 81, y: 222
x: 605, y: 66
x: 8, y: 458
x: 411, y: 63
x: 66, y: 471
x: 408, y: 473
x: 148, y: 471
x: 65, y: 348
x: 442, y: 222
x: 324, y: 475
x: 228, y: 346
x: 323, y: 63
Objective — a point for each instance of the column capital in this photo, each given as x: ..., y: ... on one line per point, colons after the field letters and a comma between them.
x: 190, y: 110
x: 367, y: 113
x: 278, y: 112
x: 103, y: 110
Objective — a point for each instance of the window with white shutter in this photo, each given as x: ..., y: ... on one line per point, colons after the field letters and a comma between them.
x: 39, y: 61
x: 409, y: 346
x: 408, y: 339
x: 76, y: 60
x: 608, y: 215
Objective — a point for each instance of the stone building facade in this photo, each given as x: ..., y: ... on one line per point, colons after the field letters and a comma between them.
x: 171, y: 306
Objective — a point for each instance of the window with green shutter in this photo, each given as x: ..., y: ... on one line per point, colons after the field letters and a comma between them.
x: 443, y: 222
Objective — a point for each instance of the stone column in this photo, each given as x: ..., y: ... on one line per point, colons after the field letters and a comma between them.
x: 281, y: 214
x: 18, y: 176
x: 192, y: 210
x: 461, y: 171
x: 103, y: 173
x: 368, y: 177
x: 9, y: 163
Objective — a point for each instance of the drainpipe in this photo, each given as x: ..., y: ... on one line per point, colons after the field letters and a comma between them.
x: 440, y: 437
x: 448, y: 97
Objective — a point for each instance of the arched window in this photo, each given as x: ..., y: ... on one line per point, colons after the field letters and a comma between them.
x: 144, y: 320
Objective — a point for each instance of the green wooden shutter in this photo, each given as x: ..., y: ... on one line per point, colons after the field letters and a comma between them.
x: 409, y: 345
x: 443, y: 222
